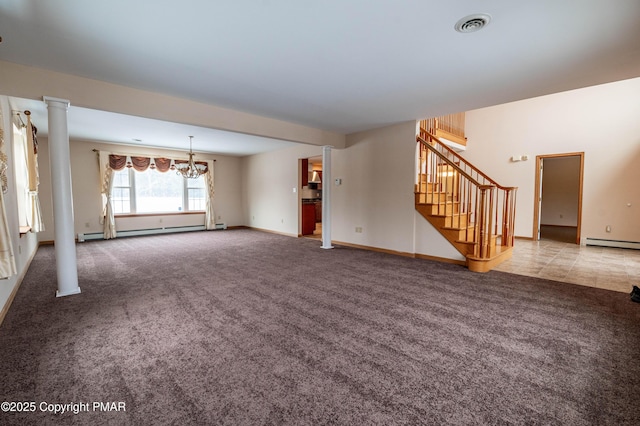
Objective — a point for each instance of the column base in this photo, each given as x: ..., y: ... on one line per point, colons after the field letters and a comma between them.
x: 326, y: 247
x: 68, y: 293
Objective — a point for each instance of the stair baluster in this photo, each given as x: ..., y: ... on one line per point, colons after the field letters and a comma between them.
x: 462, y: 202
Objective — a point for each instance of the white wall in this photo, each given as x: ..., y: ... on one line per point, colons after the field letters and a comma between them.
x: 268, y: 182
x: 377, y: 169
x: 24, y: 247
x: 32, y: 83
x: 86, y: 190
x: 601, y: 121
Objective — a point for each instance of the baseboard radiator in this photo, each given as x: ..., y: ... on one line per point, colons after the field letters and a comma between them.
x: 612, y: 243
x: 151, y: 231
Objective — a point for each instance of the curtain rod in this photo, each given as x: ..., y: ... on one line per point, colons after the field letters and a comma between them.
x: 17, y: 113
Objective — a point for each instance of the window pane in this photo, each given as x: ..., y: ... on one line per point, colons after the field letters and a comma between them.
x: 158, y: 192
x: 121, y: 178
x: 121, y: 193
x: 196, y: 199
x: 120, y: 200
x: 196, y: 183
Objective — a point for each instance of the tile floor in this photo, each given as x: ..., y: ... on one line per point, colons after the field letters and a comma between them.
x: 602, y: 267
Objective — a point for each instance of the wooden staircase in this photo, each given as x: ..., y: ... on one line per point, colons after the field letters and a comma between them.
x: 464, y: 204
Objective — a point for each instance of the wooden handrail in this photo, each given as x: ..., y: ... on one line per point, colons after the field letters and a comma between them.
x: 455, y: 154
x: 473, y: 202
x: 446, y: 160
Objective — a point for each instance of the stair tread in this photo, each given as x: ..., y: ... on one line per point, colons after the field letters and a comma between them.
x: 469, y: 241
x: 450, y: 215
x: 456, y: 228
x: 441, y: 202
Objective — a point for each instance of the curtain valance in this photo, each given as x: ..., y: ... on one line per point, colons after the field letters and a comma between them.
x: 110, y: 163
x: 139, y: 163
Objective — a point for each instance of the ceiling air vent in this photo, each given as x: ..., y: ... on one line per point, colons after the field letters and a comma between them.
x: 472, y: 23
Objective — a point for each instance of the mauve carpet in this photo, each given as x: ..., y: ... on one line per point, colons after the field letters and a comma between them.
x: 241, y: 327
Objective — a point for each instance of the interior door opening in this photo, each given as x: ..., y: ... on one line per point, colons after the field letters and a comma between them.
x: 558, y: 206
x: 311, y: 197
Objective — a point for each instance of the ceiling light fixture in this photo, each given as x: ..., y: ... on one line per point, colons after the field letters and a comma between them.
x: 190, y: 169
x: 472, y: 23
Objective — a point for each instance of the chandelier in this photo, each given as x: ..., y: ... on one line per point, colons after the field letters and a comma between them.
x: 190, y: 169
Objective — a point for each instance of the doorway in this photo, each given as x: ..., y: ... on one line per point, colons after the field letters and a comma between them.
x: 558, y: 197
x: 311, y: 197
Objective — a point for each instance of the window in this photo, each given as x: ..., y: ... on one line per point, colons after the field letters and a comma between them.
x: 151, y: 191
x: 121, y: 192
x: 195, y: 194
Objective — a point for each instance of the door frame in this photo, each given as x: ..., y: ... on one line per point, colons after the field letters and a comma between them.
x: 537, y: 200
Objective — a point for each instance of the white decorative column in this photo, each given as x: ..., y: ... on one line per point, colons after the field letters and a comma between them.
x: 60, y: 164
x: 326, y: 197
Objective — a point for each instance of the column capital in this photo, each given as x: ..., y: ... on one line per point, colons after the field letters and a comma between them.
x: 49, y: 101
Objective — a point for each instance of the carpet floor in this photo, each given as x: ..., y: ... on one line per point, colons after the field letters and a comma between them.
x: 241, y: 327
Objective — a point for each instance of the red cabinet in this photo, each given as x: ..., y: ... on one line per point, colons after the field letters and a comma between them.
x: 308, y: 218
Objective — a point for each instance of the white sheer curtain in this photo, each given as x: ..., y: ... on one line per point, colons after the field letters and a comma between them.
x: 106, y: 185
x: 7, y: 260
x: 21, y: 173
x: 34, y: 215
x: 209, y: 214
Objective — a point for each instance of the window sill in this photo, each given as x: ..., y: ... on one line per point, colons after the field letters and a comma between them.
x: 24, y: 230
x: 157, y: 214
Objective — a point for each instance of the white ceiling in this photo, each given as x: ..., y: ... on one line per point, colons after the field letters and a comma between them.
x: 101, y: 126
x: 337, y: 65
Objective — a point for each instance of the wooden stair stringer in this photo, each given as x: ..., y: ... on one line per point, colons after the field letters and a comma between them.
x: 464, y: 247
x: 459, y: 237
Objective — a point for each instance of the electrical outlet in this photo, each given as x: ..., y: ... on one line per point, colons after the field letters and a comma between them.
x: 358, y: 230
x: 219, y: 217
x: 87, y: 225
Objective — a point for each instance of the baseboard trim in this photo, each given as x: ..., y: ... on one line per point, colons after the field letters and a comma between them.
x: 403, y: 253
x: 441, y: 259
x: 377, y: 249
x: 7, y: 305
x: 270, y: 231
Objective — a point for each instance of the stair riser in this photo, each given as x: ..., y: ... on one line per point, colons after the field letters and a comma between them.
x: 443, y: 209
x: 434, y: 198
x: 459, y: 221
